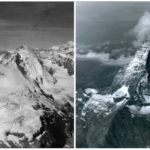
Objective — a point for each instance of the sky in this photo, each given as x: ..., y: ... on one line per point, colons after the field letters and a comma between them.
x: 107, y: 21
x: 35, y: 24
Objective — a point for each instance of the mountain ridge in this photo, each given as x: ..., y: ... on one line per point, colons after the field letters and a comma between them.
x: 32, y: 90
x: 100, y: 111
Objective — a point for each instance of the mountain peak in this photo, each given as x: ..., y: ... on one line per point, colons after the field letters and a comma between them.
x: 36, y: 85
x: 23, y: 47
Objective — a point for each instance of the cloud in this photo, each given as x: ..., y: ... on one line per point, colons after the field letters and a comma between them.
x: 142, y: 30
x: 105, y: 58
x: 10, y: 80
x: 122, y: 60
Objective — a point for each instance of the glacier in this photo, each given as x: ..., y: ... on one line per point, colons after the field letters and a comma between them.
x: 36, y: 97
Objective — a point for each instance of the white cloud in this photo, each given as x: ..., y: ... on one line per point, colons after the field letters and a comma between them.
x: 142, y: 30
x: 10, y: 81
x: 105, y: 58
x: 122, y: 60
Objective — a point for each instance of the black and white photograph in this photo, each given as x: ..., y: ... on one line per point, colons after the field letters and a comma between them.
x: 36, y: 74
x: 113, y: 74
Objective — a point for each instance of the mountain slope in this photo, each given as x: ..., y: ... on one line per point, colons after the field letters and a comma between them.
x: 102, y: 112
x: 36, y: 107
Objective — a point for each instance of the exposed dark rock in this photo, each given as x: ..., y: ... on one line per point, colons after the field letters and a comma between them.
x: 128, y: 132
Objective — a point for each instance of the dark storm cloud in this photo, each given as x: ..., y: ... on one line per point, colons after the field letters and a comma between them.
x: 102, y: 21
x: 16, y: 15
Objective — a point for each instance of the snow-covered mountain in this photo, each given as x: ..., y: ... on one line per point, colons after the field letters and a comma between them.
x: 36, y: 97
x: 130, y: 91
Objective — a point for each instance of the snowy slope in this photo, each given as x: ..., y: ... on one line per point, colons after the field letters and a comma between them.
x: 137, y: 66
x: 36, y: 108
x: 106, y: 104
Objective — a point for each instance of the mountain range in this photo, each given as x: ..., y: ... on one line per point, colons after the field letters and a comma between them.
x: 36, y: 98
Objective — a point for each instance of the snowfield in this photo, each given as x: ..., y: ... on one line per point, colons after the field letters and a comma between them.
x: 36, y: 97
x: 101, y: 103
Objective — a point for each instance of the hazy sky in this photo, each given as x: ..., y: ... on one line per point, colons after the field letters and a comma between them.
x: 36, y: 24
x: 103, y: 21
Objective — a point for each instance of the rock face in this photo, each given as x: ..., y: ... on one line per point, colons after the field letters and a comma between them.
x: 36, y: 105
x: 128, y: 132
x: 120, y: 117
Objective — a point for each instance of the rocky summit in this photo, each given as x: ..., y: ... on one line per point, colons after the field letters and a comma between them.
x: 118, y: 117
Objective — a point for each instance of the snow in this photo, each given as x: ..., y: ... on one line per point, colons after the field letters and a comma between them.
x: 16, y: 112
x: 121, y: 103
x: 83, y: 113
x: 81, y: 118
x: 55, y: 48
x: 14, y: 139
x: 63, y: 90
x: 97, y: 103
x: 144, y: 110
x: 107, y: 104
x: 105, y: 98
x: 19, y: 93
x: 147, y: 98
x: 18, y: 117
x: 85, y: 95
x: 9, y: 80
x: 137, y: 65
x: 122, y: 92
x: 31, y: 64
x: 101, y: 103
x: 79, y: 99
x: 90, y: 91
